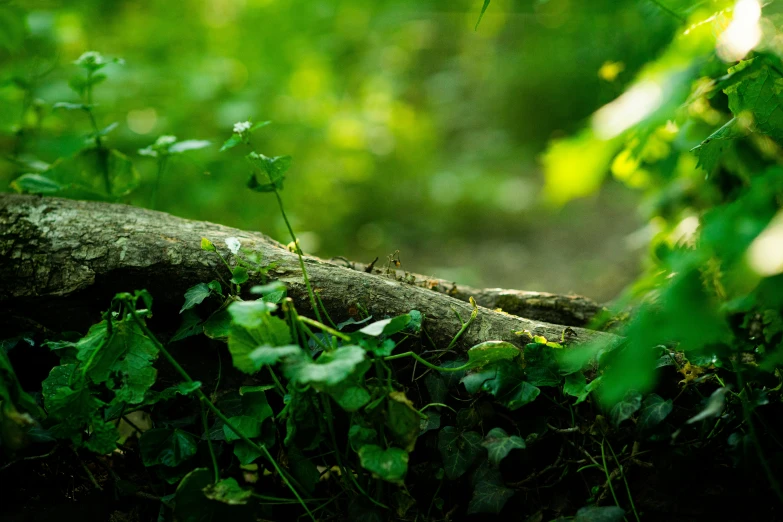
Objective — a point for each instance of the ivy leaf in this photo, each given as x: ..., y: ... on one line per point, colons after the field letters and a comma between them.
x: 509, y: 387
x: 228, y: 491
x: 390, y: 464
x: 489, y: 497
x: 541, y: 367
x: 499, y: 444
x: 459, y: 450
x: 653, y: 411
x: 491, y: 352
x: 195, y: 295
x: 600, y: 514
x: 166, y: 447
x: 624, y: 409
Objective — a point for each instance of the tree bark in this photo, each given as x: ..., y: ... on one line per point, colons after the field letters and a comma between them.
x: 61, y: 260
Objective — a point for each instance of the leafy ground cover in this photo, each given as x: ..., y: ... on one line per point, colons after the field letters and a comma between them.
x: 237, y: 406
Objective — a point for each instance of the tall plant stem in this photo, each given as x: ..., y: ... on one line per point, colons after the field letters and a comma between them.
x: 261, y: 449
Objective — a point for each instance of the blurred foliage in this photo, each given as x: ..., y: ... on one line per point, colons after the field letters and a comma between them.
x: 698, y: 131
x: 409, y: 129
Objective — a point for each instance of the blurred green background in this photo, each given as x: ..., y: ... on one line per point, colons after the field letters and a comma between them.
x: 409, y: 130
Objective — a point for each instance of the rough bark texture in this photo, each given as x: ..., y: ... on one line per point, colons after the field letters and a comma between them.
x: 69, y: 257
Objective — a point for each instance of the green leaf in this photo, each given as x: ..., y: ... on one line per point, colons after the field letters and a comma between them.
x: 402, y: 419
x: 135, y: 368
x: 186, y: 145
x: 239, y: 275
x: 541, y: 366
x: 303, y: 469
x: 245, y: 453
x: 386, y: 326
x: 481, y: 14
x: 195, y: 295
x: 758, y: 93
x: 499, y: 444
x: 207, y: 245
x: 271, y: 355
x: 36, y: 184
x: 600, y: 514
x: 509, y: 387
x: 259, y: 125
x: 183, y: 388
x: 489, y: 497
x: 710, y: 150
x: 351, y: 397
x: 331, y: 367
x: 191, y: 325
x: 103, y: 437
x: 232, y: 142
x: 359, y: 436
x: 73, y: 406
x: 458, y: 450
x: 228, y: 491
x: 490, y: 352
x: 167, y: 447
x: 250, y: 314
x: 274, y: 168
x: 247, y: 426
x: 272, y: 331
x: 653, y: 411
x: 191, y: 503
x: 624, y: 409
x: 218, y: 325
x: 390, y: 464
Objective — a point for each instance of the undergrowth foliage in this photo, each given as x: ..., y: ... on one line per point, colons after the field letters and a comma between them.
x: 370, y: 418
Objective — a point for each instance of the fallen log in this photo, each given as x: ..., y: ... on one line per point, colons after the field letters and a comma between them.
x: 63, y: 259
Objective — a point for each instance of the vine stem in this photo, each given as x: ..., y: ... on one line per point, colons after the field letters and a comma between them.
x: 205, y: 400
x: 301, y: 259
x: 323, y: 327
x: 609, y: 478
x: 215, y: 469
x: 428, y: 364
x: 625, y: 480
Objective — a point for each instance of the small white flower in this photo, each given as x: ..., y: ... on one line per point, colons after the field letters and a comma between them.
x: 90, y: 58
x: 233, y: 244
x: 242, y: 126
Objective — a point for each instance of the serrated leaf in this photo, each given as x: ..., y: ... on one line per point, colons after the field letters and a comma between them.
x: 458, y: 450
x: 489, y: 497
x: 389, y: 464
x: 167, y: 447
x: 103, y: 437
x: 499, y: 444
x: 759, y: 94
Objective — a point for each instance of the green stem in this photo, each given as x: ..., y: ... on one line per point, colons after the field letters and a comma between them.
x: 608, y: 478
x: 323, y: 327
x: 158, y: 177
x: 325, y: 400
x: 427, y: 363
x: 625, y: 480
x: 259, y: 448
x: 668, y: 10
x: 215, y: 470
x: 301, y: 259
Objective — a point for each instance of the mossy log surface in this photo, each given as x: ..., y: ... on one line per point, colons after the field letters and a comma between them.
x: 62, y: 260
